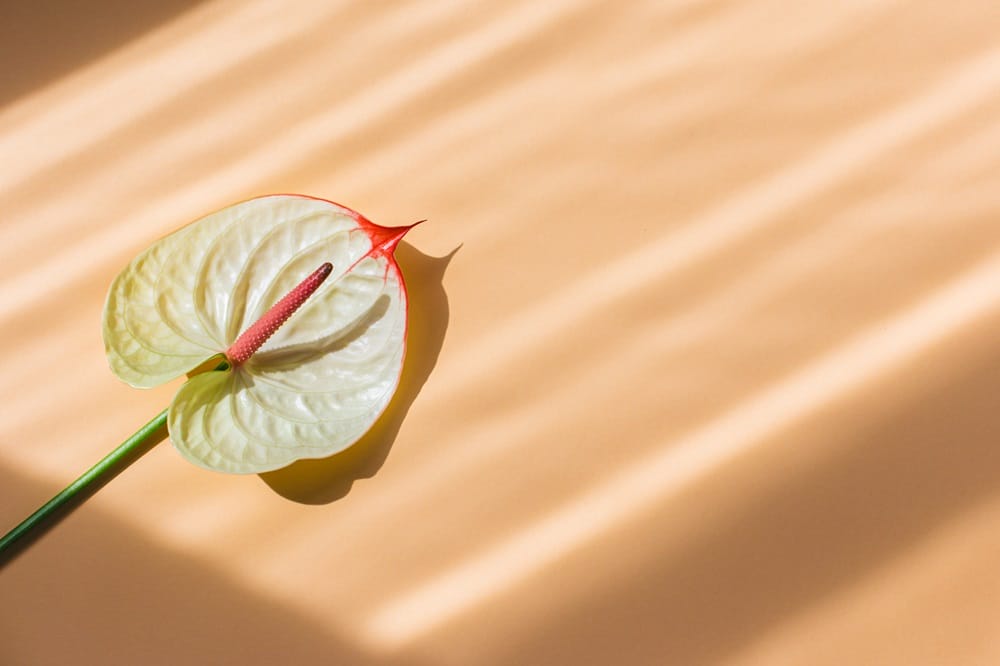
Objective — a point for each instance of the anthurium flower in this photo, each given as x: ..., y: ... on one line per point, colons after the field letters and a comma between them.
x: 319, y: 380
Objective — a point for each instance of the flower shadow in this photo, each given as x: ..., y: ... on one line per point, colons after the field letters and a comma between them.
x: 326, y: 480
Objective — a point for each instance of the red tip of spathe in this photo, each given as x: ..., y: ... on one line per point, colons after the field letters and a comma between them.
x: 387, y: 238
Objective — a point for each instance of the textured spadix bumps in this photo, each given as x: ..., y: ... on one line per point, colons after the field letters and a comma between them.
x: 318, y: 383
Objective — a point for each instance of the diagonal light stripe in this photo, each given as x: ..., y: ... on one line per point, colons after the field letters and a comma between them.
x: 45, y: 128
x: 180, y: 147
x: 288, y: 148
x: 853, y: 229
x: 651, y: 481
x: 655, y: 341
x: 874, y: 216
x: 731, y: 221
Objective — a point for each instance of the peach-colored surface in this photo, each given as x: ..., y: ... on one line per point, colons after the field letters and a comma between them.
x: 704, y: 356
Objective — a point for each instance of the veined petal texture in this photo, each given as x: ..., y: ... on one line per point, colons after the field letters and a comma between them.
x: 318, y: 384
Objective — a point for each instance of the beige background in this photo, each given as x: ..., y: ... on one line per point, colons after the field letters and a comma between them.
x: 704, y: 359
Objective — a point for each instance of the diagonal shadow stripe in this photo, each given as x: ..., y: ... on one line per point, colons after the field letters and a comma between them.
x: 156, y: 606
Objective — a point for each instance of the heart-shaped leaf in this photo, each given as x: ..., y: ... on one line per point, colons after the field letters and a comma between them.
x: 318, y: 383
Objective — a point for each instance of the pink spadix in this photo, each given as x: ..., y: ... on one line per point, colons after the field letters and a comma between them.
x: 258, y: 333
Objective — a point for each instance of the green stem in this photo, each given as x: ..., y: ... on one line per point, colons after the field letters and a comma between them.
x: 90, y: 482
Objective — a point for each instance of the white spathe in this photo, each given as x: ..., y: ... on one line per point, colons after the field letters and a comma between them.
x: 318, y: 384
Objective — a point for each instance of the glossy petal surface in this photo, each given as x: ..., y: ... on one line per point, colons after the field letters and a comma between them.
x: 318, y: 384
